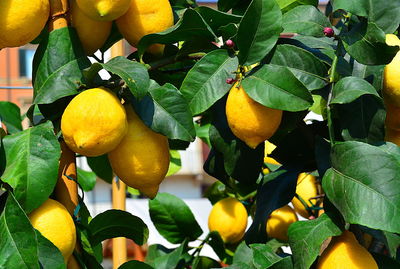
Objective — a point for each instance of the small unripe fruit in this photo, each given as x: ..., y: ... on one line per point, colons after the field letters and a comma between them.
x: 328, y: 32
x: 229, y: 43
x: 230, y: 81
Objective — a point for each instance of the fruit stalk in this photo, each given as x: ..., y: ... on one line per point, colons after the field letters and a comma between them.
x: 58, y: 14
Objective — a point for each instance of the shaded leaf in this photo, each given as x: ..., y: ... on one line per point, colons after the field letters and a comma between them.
x: 101, y: 167
x: 349, y: 89
x: 49, y: 255
x: 135, y: 265
x: 10, y: 115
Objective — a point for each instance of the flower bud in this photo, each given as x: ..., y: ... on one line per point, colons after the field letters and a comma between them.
x: 328, y: 32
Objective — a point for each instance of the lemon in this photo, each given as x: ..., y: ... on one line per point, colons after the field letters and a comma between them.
x: 391, y: 74
x: 141, y: 160
x: 92, y: 34
x: 21, y: 21
x: 146, y: 17
x: 104, y: 10
x: 279, y: 221
x: 54, y: 222
x: 229, y: 218
x: 345, y: 252
x: 268, y: 149
x: 306, y: 188
x: 94, y: 122
x: 250, y: 121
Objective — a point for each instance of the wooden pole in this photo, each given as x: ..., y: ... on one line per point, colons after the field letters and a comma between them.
x: 119, y: 250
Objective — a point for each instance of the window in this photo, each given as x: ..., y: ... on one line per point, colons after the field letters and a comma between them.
x: 25, y: 62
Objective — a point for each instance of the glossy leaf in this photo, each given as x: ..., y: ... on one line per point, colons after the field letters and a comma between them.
x: 32, y: 164
x: 206, y: 83
x: 306, y: 238
x: 216, y: 19
x: 86, y: 179
x: 264, y: 256
x: 101, y: 167
x: 306, y: 67
x: 287, y: 5
x: 226, y: 5
x: 349, y: 89
x: 49, y: 255
x: 371, y: 73
x: 135, y: 265
x: 372, y: 179
x: 170, y: 260
x: 258, y: 31
x: 276, y: 87
x: 18, y: 245
x: 117, y: 223
x: 57, y: 66
x: 10, y: 115
x: 305, y: 20
x: 173, y: 218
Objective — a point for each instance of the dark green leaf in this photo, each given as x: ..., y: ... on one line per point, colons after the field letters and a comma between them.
x: 285, y: 263
x: 305, y: 20
x: 206, y: 83
x: 202, y: 262
x: 57, y: 66
x: 371, y: 180
x: 306, y: 238
x: 366, y: 43
x: 49, y: 255
x: 86, y: 179
x: 315, y: 42
x: 276, y: 87
x: 392, y: 242
x: 371, y: 73
x: 226, y: 5
x: 156, y: 251
x: 32, y: 164
x: 117, y: 223
x: 18, y: 244
x: 264, y: 256
x: 173, y: 218
x: 101, y: 166
x: 287, y: 5
x: 216, y: 19
x: 133, y: 73
x: 190, y: 26
x: 10, y: 115
x: 90, y: 251
x: 217, y: 244
x: 135, y: 265
x: 385, y: 262
x: 170, y: 260
x: 244, y: 255
x: 258, y: 31
x: 306, y: 67
x: 349, y: 89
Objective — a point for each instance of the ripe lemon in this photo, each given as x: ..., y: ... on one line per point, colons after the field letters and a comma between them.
x: 104, y: 10
x: 94, y: 122
x: 391, y: 74
x: 141, y: 160
x: 146, y: 17
x: 268, y: 149
x: 279, y: 221
x: 229, y: 218
x: 345, y: 252
x: 92, y: 34
x: 21, y: 21
x: 54, y: 222
x: 250, y: 121
x: 306, y: 189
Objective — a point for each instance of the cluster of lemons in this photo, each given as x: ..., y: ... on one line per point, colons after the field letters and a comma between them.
x: 21, y: 21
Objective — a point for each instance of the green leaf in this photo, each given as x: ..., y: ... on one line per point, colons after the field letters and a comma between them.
x: 101, y: 167
x: 226, y: 5
x: 386, y: 15
x: 49, y: 255
x: 135, y: 265
x: 392, y: 242
x: 216, y: 19
x: 175, y: 163
x: 243, y: 255
x: 117, y: 223
x: 217, y: 244
x: 202, y: 262
x: 133, y: 73
x: 385, y: 262
x: 304, y: 65
x: 190, y: 26
x: 371, y: 179
x: 156, y: 251
x: 285, y: 263
x: 316, y: 42
x: 349, y: 89
x: 276, y: 87
x: 57, y: 66
x: 86, y: 179
x: 32, y: 164
x: 264, y: 256
x: 205, y: 82
x: 173, y: 218
x: 170, y: 260
x: 305, y: 20
x: 306, y: 238
x: 166, y: 112
x: 10, y: 115
x: 371, y: 73
x: 258, y: 31
x: 287, y: 5
x: 18, y: 245
x: 366, y: 43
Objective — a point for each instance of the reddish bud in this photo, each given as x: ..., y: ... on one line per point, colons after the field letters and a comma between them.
x: 311, y: 217
x: 229, y: 43
x: 328, y: 31
x: 230, y: 81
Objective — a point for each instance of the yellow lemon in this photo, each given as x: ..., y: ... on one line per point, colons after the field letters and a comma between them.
x: 146, y: 17
x: 345, y: 252
x: 250, y: 121
x: 392, y: 120
x: 21, y: 21
x: 229, y: 218
x: 141, y: 160
x: 93, y: 34
x: 94, y: 122
x: 104, y: 10
x: 268, y: 149
x: 54, y: 222
x: 391, y: 74
x: 279, y: 221
x: 306, y: 189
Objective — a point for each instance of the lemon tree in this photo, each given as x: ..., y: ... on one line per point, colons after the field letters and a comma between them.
x: 298, y: 106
